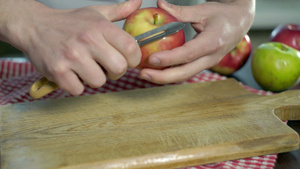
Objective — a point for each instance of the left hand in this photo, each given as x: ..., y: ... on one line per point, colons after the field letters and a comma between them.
x: 219, y: 26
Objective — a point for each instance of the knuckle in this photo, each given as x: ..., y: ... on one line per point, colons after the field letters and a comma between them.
x: 179, y: 8
x: 113, y: 77
x: 72, y: 53
x: 131, y: 47
x: 190, y: 56
x: 58, y: 70
x: 76, y: 90
x: 97, y: 82
x: 73, y: 87
x: 120, y: 68
x: 133, y: 54
x: 87, y: 37
x: 203, y: 20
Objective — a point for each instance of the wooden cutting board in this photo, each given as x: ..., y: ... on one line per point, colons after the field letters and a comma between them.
x: 162, y: 127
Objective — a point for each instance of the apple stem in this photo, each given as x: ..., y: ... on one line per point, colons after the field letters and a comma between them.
x: 155, y: 18
x: 284, y: 48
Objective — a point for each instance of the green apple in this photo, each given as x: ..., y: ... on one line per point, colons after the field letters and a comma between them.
x: 276, y: 66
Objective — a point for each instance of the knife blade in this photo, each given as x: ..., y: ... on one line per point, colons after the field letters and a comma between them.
x: 159, y: 33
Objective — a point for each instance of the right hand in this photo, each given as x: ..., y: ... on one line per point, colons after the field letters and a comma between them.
x: 71, y: 46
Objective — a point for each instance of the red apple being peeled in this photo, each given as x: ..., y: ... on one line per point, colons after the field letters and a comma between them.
x: 288, y: 34
x: 235, y: 59
x: 146, y: 19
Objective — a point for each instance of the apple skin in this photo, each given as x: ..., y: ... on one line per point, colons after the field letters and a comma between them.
x: 235, y: 59
x: 276, y: 66
x: 146, y: 19
x: 288, y: 34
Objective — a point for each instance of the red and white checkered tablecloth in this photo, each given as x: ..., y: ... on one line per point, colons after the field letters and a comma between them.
x: 17, y: 77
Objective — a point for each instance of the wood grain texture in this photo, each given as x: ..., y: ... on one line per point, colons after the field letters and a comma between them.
x: 162, y: 127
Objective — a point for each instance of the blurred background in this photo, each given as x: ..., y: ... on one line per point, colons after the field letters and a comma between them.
x: 269, y: 14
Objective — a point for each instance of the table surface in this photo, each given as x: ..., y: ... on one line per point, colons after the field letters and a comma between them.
x: 290, y: 160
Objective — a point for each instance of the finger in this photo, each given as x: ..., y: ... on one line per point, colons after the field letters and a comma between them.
x: 90, y: 72
x: 125, y: 45
x: 115, y: 55
x: 182, y: 13
x: 178, y: 73
x: 202, y: 45
x: 62, y: 74
x: 110, y: 59
x: 70, y: 82
x: 120, y: 11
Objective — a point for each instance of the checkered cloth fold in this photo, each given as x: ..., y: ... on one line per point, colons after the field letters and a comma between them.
x: 17, y: 77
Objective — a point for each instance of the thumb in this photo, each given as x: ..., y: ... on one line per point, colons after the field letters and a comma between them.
x: 119, y: 11
x: 182, y: 13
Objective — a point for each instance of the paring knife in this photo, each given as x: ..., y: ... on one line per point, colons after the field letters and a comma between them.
x: 159, y: 33
x: 43, y: 87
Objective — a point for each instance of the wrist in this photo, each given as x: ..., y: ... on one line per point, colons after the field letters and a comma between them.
x: 16, y: 17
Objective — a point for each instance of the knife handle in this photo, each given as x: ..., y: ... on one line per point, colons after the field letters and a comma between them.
x: 41, y: 88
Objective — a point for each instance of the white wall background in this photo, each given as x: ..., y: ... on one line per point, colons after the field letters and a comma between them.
x: 269, y: 13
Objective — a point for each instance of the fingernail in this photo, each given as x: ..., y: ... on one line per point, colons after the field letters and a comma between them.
x: 154, y: 61
x: 146, y: 77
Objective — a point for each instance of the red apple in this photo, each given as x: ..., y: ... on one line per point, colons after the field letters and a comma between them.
x: 146, y: 19
x: 235, y: 59
x: 288, y: 34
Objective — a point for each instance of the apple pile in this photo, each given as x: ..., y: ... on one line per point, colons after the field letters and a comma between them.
x: 288, y: 34
x: 235, y: 59
x: 147, y: 19
x: 276, y: 64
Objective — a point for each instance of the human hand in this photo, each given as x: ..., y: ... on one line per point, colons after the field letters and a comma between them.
x: 219, y: 26
x: 71, y: 46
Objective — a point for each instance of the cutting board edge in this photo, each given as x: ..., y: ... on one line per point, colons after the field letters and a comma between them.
x: 287, y: 112
x: 232, y: 81
x: 184, y: 156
